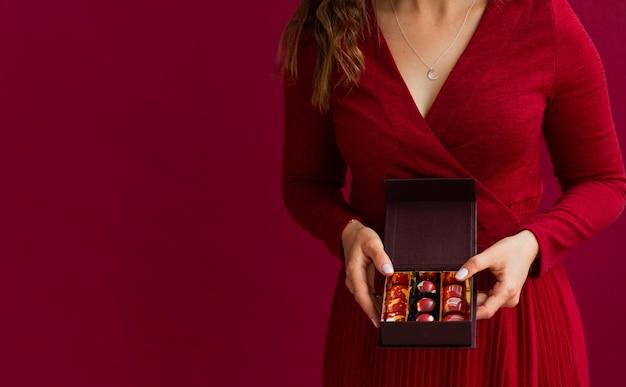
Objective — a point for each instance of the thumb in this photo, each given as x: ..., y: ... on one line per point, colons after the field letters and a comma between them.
x: 473, y: 265
x: 380, y: 259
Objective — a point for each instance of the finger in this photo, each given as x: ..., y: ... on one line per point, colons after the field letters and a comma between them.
x: 349, y: 284
x: 498, y: 296
x: 363, y: 293
x: 356, y: 262
x: 366, y: 302
x: 370, y: 278
x: 372, y: 290
x: 373, y: 248
x: 481, y: 297
x: 489, y: 308
x: 474, y: 265
x: 378, y: 303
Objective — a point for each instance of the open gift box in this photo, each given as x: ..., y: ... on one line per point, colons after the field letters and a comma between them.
x: 430, y: 231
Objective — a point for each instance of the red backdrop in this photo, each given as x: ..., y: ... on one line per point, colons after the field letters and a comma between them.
x: 143, y: 240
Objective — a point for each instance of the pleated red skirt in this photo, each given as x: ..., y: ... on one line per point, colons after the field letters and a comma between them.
x: 538, y: 343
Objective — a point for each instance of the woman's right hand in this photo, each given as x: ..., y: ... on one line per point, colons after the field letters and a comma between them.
x: 363, y: 252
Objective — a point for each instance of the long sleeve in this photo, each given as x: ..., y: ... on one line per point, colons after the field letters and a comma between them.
x: 582, y: 143
x: 314, y: 171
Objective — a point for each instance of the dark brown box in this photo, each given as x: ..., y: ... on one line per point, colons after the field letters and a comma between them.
x: 430, y: 226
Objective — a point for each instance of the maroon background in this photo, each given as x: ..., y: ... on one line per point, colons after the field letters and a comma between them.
x: 143, y: 240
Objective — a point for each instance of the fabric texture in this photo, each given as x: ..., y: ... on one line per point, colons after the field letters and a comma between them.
x: 529, y: 72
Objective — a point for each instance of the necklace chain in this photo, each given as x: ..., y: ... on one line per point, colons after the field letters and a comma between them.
x: 432, y: 75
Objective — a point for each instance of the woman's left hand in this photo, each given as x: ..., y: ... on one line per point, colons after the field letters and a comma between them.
x: 509, y: 260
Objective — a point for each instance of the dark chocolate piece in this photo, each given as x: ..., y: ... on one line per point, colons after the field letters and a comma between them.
x: 454, y: 317
x: 398, y: 291
x: 401, y: 278
x: 425, y: 317
x: 454, y: 305
x: 425, y: 304
x: 453, y: 290
x: 395, y: 317
x: 428, y: 275
x: 397, y: 305
x: 427, y: 287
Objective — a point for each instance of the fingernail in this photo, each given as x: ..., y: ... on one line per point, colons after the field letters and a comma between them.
x: 375, y: 322
x: 387, y: 268
x: 461, y: 274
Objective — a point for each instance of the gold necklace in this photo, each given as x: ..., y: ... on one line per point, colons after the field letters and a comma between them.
x: 432, y: 73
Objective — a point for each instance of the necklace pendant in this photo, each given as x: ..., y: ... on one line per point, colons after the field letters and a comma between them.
x: 432, y: 74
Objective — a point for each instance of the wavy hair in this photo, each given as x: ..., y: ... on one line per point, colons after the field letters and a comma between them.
x: 335, y: 26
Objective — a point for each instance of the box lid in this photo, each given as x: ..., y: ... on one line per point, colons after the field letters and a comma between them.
x: 430, y: 223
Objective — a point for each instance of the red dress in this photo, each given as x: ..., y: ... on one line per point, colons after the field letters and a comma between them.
x: 530, y: 71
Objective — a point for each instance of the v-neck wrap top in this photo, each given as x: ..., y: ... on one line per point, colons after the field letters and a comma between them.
x: 529, y: 72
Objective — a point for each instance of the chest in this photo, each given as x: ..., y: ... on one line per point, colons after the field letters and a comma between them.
x: 487, y: 115
x: 426, y: 49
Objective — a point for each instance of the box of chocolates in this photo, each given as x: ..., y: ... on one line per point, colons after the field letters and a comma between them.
x: 430, y: 231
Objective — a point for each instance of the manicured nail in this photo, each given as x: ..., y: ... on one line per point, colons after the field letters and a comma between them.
x: 387, y: 268
x: 461, y: 274
x: 375, y: 322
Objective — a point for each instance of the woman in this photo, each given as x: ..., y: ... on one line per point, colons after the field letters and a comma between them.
x: 452, y: 88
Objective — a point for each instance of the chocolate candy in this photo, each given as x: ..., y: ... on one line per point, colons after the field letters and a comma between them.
x: 427, y: 287
x: 398, y: 291
x: 454, y: 305
x: 454, y: 317
x: 428, y: 275
x: 394, y: 317
x: 453, y: 290
x: 397, y: 305
x: 401, y: 278
x: 425, y: 297
x: 449, y: 278
x: 425, y: 304
x: 425, y: 317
